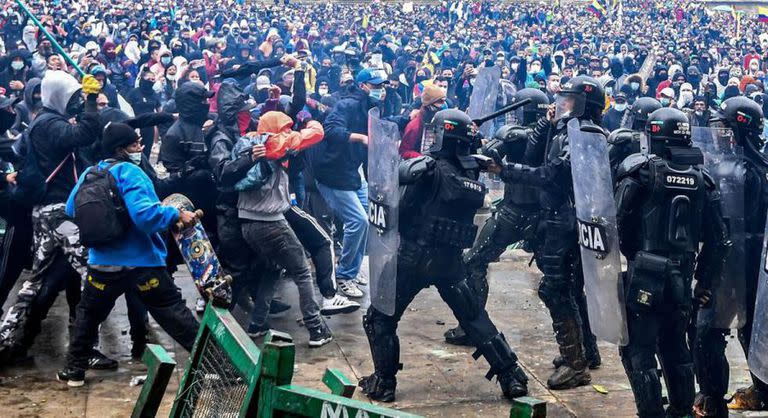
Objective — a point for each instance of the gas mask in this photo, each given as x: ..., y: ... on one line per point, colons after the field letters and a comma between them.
x: 76, y: 104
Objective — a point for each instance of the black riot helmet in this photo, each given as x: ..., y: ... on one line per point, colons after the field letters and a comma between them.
x: 452, y: 132
x: 513, y: 139
x: 581, y: 97
x: 638, y: 113
x: 533, y: 111
x: 745, y: 117
x: 666, y: 127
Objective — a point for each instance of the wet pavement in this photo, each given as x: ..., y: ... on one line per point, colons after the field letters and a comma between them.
x: 437, y: 379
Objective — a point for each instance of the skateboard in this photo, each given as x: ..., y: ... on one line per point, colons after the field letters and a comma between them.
x: 198, y: 254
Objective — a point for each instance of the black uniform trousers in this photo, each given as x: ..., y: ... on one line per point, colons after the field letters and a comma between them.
x: 156, y: 290
x: 660, y: 330
x: 420, y: 267
x: 712, y: 369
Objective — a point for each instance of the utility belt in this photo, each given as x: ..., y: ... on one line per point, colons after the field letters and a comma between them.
x: 655, y: 280
x: 440, y: 231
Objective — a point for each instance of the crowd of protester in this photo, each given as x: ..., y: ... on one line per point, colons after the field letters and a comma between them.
x: 194, y: 78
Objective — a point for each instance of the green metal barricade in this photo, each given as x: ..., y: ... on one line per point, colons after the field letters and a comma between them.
x: 227, y: 375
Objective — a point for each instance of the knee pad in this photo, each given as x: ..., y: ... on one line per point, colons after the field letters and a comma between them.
x: 460, y: 297
x: 553, y: 292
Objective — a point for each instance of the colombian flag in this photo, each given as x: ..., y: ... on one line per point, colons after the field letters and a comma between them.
x: 762, y: 14
x: 597, y: 9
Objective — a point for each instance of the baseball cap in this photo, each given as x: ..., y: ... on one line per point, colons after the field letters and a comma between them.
x: 371, y: 76
x: 262, y: 82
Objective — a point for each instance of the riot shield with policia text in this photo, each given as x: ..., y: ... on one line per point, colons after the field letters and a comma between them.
x: 597, y: 232
x: 383, y: 204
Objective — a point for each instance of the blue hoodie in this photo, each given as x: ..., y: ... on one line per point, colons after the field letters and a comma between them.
x: 142, y: 245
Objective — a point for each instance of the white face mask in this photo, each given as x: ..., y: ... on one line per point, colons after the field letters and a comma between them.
x: 322, y: 91
x: 157, y: 87
x: 620, y: 107
x: 17, y: 65
x: 135, y: 157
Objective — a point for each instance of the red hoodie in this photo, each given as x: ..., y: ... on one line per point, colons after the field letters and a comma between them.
x: 410, y: 146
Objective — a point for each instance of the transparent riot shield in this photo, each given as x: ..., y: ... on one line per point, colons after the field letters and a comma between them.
x: 383, y: 202
x: 482, y: 102
x: 758, y: 347
x: 724, y: 161
x: 598, y: 233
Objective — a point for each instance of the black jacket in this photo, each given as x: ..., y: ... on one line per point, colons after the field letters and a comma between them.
x: 337, y: 161
x: 53, y: 138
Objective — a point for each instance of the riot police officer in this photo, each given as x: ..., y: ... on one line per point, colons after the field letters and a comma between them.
x: 436, y: 213
x: 625, y: 141
x: 581, y: 99
x: 515, y: 217
x: 745, y: 118
x: 667, y: 204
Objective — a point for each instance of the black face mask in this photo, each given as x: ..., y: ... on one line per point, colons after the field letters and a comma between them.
x: 146, y: 86
x: 199, y: 114
x: 177, y: 52
x: 262, y: 95
x: 6, y: 120
x: 723, y: 79
x: 76, y: 105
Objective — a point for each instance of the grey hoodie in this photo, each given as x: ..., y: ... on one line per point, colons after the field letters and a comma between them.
x: 56, y: 90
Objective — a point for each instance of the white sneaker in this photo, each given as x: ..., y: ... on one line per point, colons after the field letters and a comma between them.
x: 337, y: 305
x: 362, y: 279
x: 349, y: 289
x: 200, y: 306
x: 362, y: 275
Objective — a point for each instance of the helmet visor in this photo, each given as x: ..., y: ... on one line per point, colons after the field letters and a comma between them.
x: 568, y: 106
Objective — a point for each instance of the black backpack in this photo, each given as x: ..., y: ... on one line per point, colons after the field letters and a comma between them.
x: 100, y: 211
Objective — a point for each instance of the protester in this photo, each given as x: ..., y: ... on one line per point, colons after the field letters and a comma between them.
x: 285, y: 69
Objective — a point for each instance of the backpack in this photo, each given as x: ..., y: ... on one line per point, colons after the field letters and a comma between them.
x: 31, y: 185
x: 100, y: 211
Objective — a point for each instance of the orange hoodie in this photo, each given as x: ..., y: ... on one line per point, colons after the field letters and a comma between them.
x: 282, y: 139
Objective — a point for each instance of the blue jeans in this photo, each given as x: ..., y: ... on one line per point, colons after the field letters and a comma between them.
x: 351, y: 206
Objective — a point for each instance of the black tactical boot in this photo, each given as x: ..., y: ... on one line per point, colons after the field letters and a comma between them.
x: 593, y: 362
x: 457, y: 336
x: 385, y: 351
x: 646, y: 387
x: 573, y: 372
x: 378, y: 388
x: 709, y: 407
x: 680, y: 390
x: 503, y: 362
x: 514, y: 383
x: 591, y: 352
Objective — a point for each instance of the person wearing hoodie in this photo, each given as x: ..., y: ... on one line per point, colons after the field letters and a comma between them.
x: 615, y: 113
x: 144, y: 99
x: 660, y: 75
x: 27, y: 109
x: 58, y: 146
x: 134, y: 262
x: 264, y: 225
x: 433, y: 99
x: 185, y: 151
x: 14, y: 78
